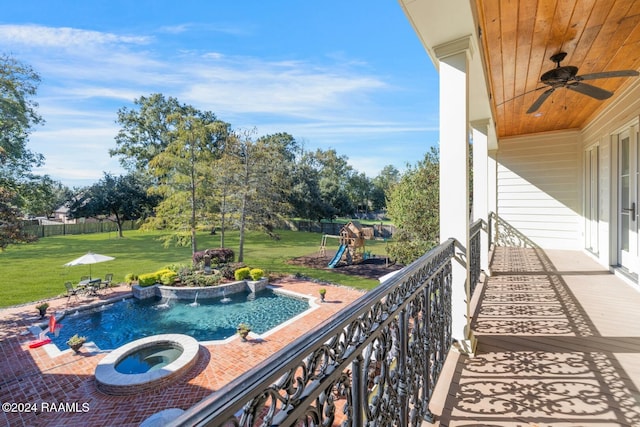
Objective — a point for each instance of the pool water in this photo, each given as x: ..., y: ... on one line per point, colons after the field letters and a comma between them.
x: 110, y: 326
x: 148, y: 359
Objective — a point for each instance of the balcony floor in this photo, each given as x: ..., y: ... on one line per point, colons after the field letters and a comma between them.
x: 558, y: 345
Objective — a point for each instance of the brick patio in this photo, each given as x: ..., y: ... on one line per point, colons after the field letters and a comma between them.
x: 31, y: 376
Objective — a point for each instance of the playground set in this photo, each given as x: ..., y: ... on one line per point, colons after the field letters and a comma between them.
x: 352, y: 244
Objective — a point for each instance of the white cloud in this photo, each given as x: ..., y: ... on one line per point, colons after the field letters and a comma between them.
x: 63, y: 37
x: 92, y: 74
x: 293, y: 88
x: 126, y: 95
x: 210, y: 28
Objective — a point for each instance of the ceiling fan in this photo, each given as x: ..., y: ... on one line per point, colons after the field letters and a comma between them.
x: 566, y: 76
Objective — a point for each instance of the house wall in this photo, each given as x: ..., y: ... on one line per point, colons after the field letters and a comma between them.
x: 602, y: 132
x: 539, y: 181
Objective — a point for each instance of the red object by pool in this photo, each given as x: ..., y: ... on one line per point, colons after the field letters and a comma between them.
x: 39, y: 343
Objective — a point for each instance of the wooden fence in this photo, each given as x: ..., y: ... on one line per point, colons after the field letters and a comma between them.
x: 380, y: 231
x: 82, y: 228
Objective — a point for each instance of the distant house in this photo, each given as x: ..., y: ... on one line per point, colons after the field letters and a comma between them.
x: 60, y: 215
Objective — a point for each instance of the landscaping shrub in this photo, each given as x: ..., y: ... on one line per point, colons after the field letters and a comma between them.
x: 168, y: 278
x: 130, y: 277
x: 189, y: 280
x: 256, y: 274
x: 209, y: 280
x: 177, y: 267
x: 217, y: 255
x: 242, y: 273
x: 147, y: 279
x: 228, y: 270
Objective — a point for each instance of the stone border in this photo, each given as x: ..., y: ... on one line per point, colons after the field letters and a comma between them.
x: 204, y: 292
x: 112, y: 382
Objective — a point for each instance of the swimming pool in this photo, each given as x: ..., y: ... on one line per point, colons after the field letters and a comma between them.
x: 112, y: 325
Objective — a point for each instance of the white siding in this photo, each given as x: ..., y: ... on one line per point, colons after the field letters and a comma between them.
x: 614, y: 119
x: 539, y: 188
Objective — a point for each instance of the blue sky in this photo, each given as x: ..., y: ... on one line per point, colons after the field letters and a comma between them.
x: 347, y: 75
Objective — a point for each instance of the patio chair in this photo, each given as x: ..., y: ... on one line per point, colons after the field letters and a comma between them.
x: 84, y: 278
x: 71, y: 291
x: 106, y: 283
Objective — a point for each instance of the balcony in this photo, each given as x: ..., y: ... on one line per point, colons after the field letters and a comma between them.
x: 558, y: 344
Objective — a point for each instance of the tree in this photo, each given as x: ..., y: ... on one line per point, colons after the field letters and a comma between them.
x: 149, y: 129
x: 11, y: 230
x: 18, y: 116
x: 263, y: 184
x: 360, y: 190
x: 334, y: 173
x: 41, y: 195
x: 305, y: 197
x: 18, y: 84
x: 114, y: 198
x: 224, y: 171
x: 182, y: 170
x: 383, y: 183
x: 414, y: 209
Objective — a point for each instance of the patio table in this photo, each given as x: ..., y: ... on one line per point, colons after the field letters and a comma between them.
x: 89, y: 286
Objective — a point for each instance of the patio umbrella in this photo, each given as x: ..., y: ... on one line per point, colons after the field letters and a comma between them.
x: 89, y: 258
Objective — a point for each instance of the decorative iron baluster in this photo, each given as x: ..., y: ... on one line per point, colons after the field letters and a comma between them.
x: 474, y: 262
x: 374, y: 363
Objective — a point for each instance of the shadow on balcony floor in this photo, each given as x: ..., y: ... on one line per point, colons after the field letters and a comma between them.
x: 558, y: 344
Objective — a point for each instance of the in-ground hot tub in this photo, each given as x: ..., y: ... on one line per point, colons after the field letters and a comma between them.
x: 146, y: 364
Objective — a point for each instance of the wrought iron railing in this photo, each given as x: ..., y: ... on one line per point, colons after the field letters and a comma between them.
x: 475, y: 246
x: 375, y: 363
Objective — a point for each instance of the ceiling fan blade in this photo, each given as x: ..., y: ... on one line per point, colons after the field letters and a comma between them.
x: 607, y: 74
x: 592, y: 91
x: 534, y: 107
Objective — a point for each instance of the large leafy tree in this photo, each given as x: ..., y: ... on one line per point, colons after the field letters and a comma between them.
x: 11, y: 230
x: 18, y: 116
x: 334, y: 175
x: 414, y: 208
x: 383, y: 183
x: 223, y: 184
x: 263, y: 184
x: 360, y: 191
x: 114, y: 198
x: 183, y: 170
x: 305, y: 197
x: 42, y: 195
x: 149, y: 128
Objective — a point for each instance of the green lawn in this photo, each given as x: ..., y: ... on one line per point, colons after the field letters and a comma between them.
x: 35, y: 271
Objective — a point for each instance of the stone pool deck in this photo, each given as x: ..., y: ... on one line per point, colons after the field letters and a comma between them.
x: 61, y: 390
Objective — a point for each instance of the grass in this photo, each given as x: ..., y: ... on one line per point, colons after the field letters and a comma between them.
x: 36, y: 271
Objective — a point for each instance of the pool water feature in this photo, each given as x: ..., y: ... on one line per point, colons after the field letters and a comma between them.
x: 148, y: 359
x: 116, y: 324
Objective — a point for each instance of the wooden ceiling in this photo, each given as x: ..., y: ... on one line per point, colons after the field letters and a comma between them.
x: 519, y: 37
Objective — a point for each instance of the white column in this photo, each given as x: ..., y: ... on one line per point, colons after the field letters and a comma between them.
x: 492, y: 177
x: 454, y: 172
x: 480, y: 184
